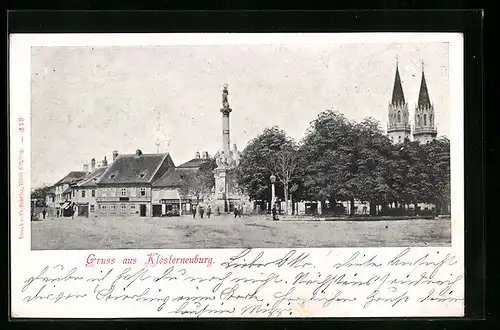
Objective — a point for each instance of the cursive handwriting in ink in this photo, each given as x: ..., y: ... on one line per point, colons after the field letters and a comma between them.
x: 40, y: 295
x: 441, y: 297
x: 107, y: 295
x: 422, y: 262
x: 194, y: 308
x: 238, y: 261
x: 376, y: 297
x: 354, y: 261
x: 47, y: 279
x: 220, y: 280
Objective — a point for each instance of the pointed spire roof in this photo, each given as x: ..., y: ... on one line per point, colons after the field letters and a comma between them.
x: 423, y: 95
x: 398, y: 96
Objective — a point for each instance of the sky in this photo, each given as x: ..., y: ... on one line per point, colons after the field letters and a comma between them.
x: 88, y: 101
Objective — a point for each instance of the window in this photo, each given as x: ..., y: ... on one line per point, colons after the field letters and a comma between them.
x: 124, y: 192
x: 93, y: 192
x: 74, y: 193
x: 132, y: 207
x: 430, y: 120
x: 143, y: 192
x: 83, y: 193
x: 142, y: 175
x: 123, y: 208
x: 425, y: 120
x: 399, y: 139
x: 92, y: 208
x: 113, y: 207
x: 418, y: 120
x: 399, y: 116
x: 103, y: 207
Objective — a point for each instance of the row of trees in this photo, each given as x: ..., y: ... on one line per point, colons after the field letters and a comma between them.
x: 343, y: 160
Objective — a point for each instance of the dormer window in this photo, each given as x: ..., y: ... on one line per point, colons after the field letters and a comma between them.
x: 142, y: 174
x: 113, y: 175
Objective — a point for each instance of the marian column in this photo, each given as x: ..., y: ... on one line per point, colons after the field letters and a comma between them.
x: 223, y: 159
x: 226, y: 110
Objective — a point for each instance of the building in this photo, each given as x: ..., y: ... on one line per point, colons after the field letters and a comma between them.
x: 168, y: 197
x: 424, y: 128
x: 125, y: 186
x: 64, y: 193
x: 85, y: 192
x: 398, y: 126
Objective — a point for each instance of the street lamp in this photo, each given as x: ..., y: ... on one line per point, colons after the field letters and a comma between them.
x: 273, y: 180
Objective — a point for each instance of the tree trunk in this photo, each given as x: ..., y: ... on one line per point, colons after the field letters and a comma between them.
x: 286, y: 197
x: 373, y: 208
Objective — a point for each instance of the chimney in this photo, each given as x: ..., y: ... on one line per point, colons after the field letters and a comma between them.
x: 197, y: 155
x: 138, y: 152
x: 92, y: 164
x: 205, y: 154
x: 86, y: 167
x: 115, y: 154
x: 104, y: 161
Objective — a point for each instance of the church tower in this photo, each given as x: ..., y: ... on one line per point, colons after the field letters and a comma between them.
x: 398, y: 126
x: 424, y: 129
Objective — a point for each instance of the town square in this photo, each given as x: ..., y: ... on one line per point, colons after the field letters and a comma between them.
x: 340, y: 179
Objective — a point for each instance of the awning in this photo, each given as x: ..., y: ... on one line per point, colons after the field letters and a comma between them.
x: 65, y: 205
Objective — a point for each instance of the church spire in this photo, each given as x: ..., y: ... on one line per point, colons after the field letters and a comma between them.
x: 423, y: 95
x: 398, y: 96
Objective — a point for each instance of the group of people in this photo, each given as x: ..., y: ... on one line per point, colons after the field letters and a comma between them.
x: 200, y: 210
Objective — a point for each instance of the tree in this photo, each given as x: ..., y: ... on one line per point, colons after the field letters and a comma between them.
x: 284, y: 164
x: 328, y: 157
x: 198, y: 183
x: 40, y: 193
x: 259, y: 160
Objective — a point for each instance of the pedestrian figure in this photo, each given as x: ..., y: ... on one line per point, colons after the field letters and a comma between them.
x: 240, y: 210
x: 44, y: 212
x: 201, y: 211
x: 193, y: 211
x: 209, y: 211
x: 235, y: 211
x: 275, y: 216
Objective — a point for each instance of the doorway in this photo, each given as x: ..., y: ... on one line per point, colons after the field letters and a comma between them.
x: 142, y: 210
x: 156, y: 211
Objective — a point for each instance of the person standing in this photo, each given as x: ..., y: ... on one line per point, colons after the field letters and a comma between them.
x: 275, y: 216
x: 44, y: 212
x: 235, y: 211
x: 209, y: 211
x: 201, y: 211
x: 193, y: 211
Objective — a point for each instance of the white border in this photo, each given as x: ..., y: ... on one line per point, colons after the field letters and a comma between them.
x: 25, y: 262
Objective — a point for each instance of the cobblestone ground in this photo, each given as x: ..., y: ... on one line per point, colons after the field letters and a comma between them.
x: 226, y: 232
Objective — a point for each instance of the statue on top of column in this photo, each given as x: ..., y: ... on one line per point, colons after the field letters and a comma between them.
x: 225, y: 101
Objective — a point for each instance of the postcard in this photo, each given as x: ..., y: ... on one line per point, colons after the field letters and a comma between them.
x: 236, y: 175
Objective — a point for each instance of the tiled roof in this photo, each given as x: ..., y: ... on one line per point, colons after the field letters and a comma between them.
x: 172, y: 178
x: 194, y: 163
x: 72, y: 177
x: 423, y: 95
x: 398, y: 96
x: 91, y: 179
x: 133, y: 169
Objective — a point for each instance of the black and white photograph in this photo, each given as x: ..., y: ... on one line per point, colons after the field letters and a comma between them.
x: 234, y: 146
x: 237, y: 175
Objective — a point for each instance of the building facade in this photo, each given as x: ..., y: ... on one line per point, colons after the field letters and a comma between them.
x: 168, y: 197
x: 125, y: 186
x: 398, y: 126
x: 424, y: 125
x: 85, y: 193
